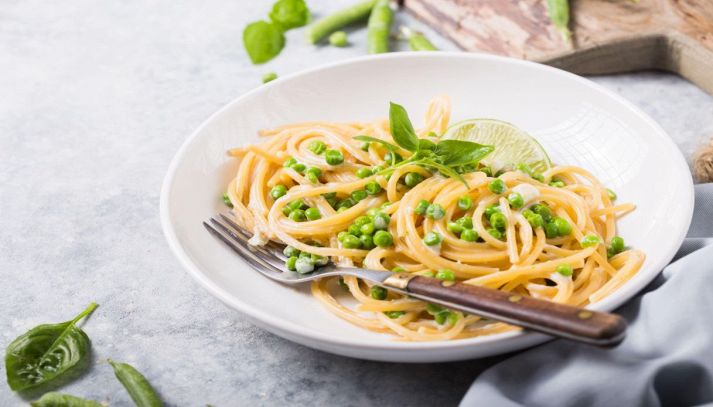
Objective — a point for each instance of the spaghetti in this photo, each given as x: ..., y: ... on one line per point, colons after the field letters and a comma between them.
x: 315, y: 188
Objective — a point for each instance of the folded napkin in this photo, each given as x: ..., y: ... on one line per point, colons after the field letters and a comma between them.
x: 665, y: 360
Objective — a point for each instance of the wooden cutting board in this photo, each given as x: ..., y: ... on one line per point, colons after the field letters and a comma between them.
x: 609, y: 36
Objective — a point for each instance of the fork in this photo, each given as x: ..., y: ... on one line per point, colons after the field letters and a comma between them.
x: 559, y: 320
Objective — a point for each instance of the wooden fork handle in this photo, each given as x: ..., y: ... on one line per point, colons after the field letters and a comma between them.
x: 579, y: 324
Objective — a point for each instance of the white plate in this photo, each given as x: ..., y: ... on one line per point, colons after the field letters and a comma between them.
x: 577, y: 121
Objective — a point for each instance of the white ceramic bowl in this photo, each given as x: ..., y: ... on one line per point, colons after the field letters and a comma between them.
x: 577, y: 121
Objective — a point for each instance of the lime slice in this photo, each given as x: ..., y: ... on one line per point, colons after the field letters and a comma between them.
x: 512, y: 145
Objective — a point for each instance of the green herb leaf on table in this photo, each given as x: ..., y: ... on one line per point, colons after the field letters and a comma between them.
x: 263, y: 41
x: 288, y: 14
x: 53, y: 399
x: 46, y: 352
x: 136, y: 385
x: 458, y: 152
x: 401, y: 128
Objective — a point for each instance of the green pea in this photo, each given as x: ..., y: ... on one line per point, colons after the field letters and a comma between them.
x: 466, y: 222
x: 299, y: 167
x: 516, y: 200
x: 557, y: 184
x: 226, y: 200
x: 617, y: 244
x: 445, y: 274
x: 297, y: 204
x: 372, y: 188
x: 465, y: 202
x: 298, y: 215
x: 434, y: 309
x: 392, y: 158
x: 304, y: 265
x: 455, y: 227
x: 538, y: 176
x: 398, y: 269
x: 269, y: 77
x: 442, y: 317
x: 278, y: 191
x: 332, y: 202
x: 341, y: 235
x: 543, y: 211
x: 367, y: 242
x: 432, y: 238
x: 359, y: 195
x: 346, y: 203
x: 305, y: 255
x: 421, y: 207
x: 498, y: 221
x: 362, y: 220
x: 611, y: 194
x: 394, y: 314
x: 452, y: 318
x: 351, y: 242
x: 286, y: 210
x: 330, y: 195
x: 490, y: 210
x: 377, y: 169
x: 342, y: 209
x: 496, y: 186
x: 564, y: 269
x: 495, y: 233
x: 289, y: 162
x: 381, y: 221
x: 563, y: 227
x: 535, y: 220
x: 590, y: 240
x: 364, y: 172
x: 290, y: 251
x: 551, y: 230
x: 313, y: 214
x: 367, y: 229
x: 314, y: 170
x: 342, y: 284
x: 365, y: 146
x: 354, y: 229
x: 377, y: 293
x: 313, y: 179
x: 333, y: 157
x: 338, y: 39
x: 487, y: 171
x: 435, y: 211
x: 290, y: 263
x: 383, y: 238
x: 469, y: 235
x: 319, y: 260
x: 412, y: 179
x: 317, y: 146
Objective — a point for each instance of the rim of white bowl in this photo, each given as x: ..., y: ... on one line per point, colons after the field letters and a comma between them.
x: 620, y: 296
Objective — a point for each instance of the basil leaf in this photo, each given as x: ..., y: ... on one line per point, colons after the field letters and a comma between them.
x: 401, y: 128
x: 288, y: 14
x: 46, y: 352
x: 370, y: 139
x: 445, y: 170
x: 53, y: 399
x: 426, y: 145
x: 263, y: 41
x: 136, y: 384
x: 458, y: 152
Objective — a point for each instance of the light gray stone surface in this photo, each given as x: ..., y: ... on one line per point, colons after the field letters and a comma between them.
x: 95, y: 98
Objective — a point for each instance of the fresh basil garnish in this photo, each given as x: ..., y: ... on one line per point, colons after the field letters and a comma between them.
x: 263, y: 41
x: 46, y: 352
x: 288, y: 14
x: 458, y: 152
x: 53, y: 399
x: 401, y: 128
x: 370, y: 139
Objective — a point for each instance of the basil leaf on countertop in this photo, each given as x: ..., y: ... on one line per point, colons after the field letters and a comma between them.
x: 458, y: 152
x: 53, y: 399
x: 288, y: 14
x: 263, y: 41
x: 46, y: 352
x: 136, y: 384
x: 401, y: 128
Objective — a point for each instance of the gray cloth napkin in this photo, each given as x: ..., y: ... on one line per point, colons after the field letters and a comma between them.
x: 665, y: 360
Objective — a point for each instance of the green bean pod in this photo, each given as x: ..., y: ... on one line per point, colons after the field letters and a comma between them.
x: 417, y: 41
x: 333, y: 22
x: 54, y: 399
x: 136, y: 385
x: 559, y: 15
x: 379, y: 27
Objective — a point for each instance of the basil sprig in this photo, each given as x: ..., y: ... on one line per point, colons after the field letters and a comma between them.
x: 445, y: 156
x: 46, y: 352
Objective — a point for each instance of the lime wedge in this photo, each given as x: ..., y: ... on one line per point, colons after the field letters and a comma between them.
x: 512, y: 145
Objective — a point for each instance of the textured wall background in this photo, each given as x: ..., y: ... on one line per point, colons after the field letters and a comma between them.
x: 95, y: 98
